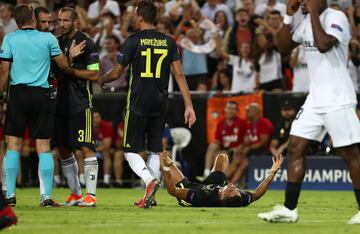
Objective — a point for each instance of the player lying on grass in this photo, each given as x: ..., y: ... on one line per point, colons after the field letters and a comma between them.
x: 215, y: 191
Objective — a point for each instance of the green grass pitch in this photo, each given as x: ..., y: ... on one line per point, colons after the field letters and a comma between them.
x: 320, y: 212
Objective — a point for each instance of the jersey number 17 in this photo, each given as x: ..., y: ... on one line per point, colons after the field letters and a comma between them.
x: 148, y: 54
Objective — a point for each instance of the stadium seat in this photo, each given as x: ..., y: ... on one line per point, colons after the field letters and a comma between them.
x: 181, y: 138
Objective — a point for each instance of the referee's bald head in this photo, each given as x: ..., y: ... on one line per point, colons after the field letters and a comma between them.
x: 24, y: 15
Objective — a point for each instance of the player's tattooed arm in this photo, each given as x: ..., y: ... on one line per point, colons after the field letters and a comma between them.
x: 323, y: 40
x: 172, y: 175
x: 111, y: 75
x: 172, y: 189
x: 263, y: 187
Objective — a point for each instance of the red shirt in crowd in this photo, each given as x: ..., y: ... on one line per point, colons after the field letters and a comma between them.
x: 261, y: 127
x: 230, y: 136
x: 243, y: 36
x: 105, y: 130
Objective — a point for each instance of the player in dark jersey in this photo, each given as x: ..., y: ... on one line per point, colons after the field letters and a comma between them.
x: 214, y: 191
x: 150, y: 55
x: 73, y: 129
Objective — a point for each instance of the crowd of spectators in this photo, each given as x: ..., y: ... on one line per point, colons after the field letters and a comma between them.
x: 225, y: 46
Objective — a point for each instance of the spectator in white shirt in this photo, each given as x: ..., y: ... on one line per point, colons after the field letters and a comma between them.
x: 300, y: 68
x: 97, y: 8
x: 244, y: 73
x: 265, y: 8
x: 107, y: 24
x: 269, y: 61
x: 211, y: 7
x: 7, y: 20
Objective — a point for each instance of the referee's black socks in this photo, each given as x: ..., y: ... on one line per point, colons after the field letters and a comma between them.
x: 292, y: 195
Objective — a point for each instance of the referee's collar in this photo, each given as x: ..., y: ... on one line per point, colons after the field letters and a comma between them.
x: 27, y: 28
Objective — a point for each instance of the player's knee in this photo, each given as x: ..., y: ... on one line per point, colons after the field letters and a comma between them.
x: 295, y: 149
x: 222, y: 157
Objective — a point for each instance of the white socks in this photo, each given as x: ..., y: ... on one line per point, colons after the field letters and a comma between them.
x: 91, y: 167
x: 206, y: 172
x: 107, y: 179
x: 57, y: 179
x: 137, y: 164
x: 153, y: 164
x: 70, y: 169
x: 82, y: 179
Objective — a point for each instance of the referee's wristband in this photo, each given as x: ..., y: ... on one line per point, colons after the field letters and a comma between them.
x: 288, y: 19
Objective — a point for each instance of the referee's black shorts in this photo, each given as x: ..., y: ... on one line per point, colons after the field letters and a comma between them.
x: 143, y: 133
x: 29, y: 107
x: 74, y: 131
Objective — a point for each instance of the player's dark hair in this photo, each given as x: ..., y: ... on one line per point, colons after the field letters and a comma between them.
x: 114, y: 38
x: 39, y: 10
x: 234, y: 201
x: 241, y: 10
x: 147, y: 10
x: 23, y: 14
x: 275, y: 12
x: 74, y: 14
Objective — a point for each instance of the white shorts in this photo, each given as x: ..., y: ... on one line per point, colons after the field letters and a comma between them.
x: 342, y: 125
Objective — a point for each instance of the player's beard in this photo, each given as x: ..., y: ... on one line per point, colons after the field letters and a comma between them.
x: 68, y: 31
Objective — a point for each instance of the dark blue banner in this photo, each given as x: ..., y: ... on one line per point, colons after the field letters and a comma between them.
x: 323, y: 173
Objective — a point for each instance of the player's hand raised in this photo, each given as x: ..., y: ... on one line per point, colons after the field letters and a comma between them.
x: 190, y: 116
x: 292, y: 6
x: 76, y: 49
x: 277, y: 162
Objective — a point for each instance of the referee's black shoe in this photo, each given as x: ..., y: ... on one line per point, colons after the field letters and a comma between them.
x: 11, y: 201
x: 49, y: 203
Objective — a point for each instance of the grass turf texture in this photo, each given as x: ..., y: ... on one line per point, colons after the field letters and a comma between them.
x: 320, y: 212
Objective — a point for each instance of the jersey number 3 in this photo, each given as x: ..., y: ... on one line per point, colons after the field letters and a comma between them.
x: 147, y: 53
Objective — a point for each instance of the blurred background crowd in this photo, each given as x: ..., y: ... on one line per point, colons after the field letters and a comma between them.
x: 226, y: 46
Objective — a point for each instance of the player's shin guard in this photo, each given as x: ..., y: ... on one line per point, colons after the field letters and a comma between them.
x: 91, y: 168
x: 70, y: 169
x: 137, y: 164
x: 153, y: 164
x: 46, y: 167
x: 11, y: 169
x: 292, y: 195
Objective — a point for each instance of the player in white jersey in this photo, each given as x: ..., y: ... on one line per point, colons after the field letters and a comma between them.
x: 330, y: 105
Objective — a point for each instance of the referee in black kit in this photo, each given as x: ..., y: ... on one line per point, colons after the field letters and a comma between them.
x: 150, y: 54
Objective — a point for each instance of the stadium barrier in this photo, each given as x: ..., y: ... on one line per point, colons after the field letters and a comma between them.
x: 323, y: 173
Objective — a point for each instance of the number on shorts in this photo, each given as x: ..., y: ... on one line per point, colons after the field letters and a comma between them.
x: 81, y: 137
x: 299, y: 113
